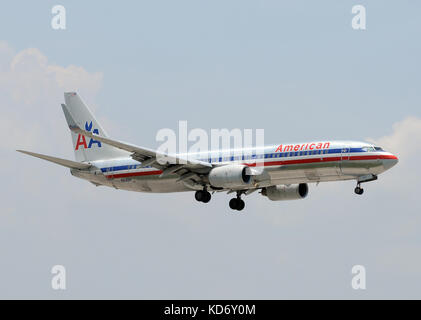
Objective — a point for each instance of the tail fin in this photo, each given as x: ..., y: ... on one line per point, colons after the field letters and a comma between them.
x: 87, y: 149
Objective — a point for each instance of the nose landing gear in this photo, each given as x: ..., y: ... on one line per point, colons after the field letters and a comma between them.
x: 365, y: 178
x: 358, y: 190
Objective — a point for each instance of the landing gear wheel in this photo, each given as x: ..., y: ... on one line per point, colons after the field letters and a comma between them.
x: 202, y: 196
x: 198, y: 195
x: 358, y: 190
x: 237, y: 204
x: 207, y: 197
x: 241, y: 205
x: 233, y: 203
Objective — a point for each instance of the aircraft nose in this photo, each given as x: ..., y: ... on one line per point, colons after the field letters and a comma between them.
x: 390, y: 162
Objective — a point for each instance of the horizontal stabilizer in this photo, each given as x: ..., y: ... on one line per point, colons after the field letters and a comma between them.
x: 63, y: 162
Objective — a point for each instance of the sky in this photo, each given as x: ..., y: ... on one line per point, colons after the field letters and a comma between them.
x: 297, y: 69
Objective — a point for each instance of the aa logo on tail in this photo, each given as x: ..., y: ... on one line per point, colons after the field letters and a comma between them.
x: 81, y: 140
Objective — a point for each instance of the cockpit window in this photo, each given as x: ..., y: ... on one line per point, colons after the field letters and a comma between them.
x: 372, y: 149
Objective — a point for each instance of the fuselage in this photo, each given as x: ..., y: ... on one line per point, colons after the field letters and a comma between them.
x: 309, y: 162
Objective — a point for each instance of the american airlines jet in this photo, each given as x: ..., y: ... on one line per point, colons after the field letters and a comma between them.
x: 284, y: 170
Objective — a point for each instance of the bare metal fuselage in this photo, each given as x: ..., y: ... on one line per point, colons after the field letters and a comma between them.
x: 341, y: 161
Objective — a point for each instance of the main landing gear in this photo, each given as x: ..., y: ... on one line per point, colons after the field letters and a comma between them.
x: 237, y: 203
x: 358, y: 190
x: 203, y: 196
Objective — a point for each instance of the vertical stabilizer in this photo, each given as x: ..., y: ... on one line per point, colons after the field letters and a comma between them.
x: 87, y: 149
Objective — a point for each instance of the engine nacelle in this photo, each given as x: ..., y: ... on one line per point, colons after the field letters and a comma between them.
x: 284, y: 192
x: 230, y: 176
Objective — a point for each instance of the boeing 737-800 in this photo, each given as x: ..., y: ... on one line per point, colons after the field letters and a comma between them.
x: 285, y: 170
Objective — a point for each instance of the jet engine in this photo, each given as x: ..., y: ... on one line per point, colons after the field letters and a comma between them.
x: 286, y: 192
x: 230, y: 176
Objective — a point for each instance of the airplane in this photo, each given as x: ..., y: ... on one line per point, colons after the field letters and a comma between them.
x: 285, y: 172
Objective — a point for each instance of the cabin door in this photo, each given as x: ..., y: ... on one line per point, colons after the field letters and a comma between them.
x: 345, y: 154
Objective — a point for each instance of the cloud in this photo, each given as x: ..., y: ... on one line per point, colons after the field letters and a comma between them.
x: 405, y: 142
x: 72, y: 77
x: 405, y: 139
x: 6, y: 55
x: 31, y: 90
x: 29, y: 77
